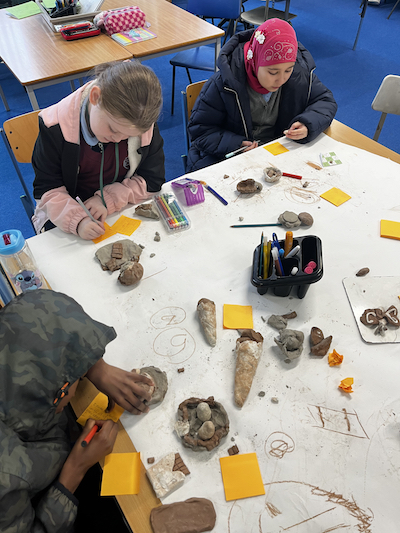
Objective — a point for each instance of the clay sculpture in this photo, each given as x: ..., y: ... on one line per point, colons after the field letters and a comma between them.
x: 272, y: 174
x: 131, y: 273
x: 194, y: 515
x: 249, y: 186
x: 290, y: 343
x: 163, y: 477
x: 290, y: 220
x: 381, y: 319
x: 319, y: 344
x: 248, y: 352
x: 110, y: 256
x: 197, y: 433
x: 160, y: 381
x: 208, y: 319
x: 280, y: 321
x: 147, y: 210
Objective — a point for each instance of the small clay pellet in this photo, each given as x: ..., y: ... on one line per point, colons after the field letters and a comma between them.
x: 234, y: 450
x: 180, y: 370
x: 150, y: 460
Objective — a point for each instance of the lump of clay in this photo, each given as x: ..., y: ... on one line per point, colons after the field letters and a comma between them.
x: 160, y: 381
x: 319, y: 344
x: 306, y: 219
x: 207, y: 430
x: 280, y: 321
x: 203, y: 412
x: 187, y: 417
x: 272, y: 174
x: 107, y: 255
x: 289, y: 219
x: 163, y: 478
x: 290, y: 343
x: 362, y: 272
x: 248, y: 352
x: 194, y: 515
x: 249, y: 186
x: 208, y: 319
x: 131, y: 273
x: 146, y: 210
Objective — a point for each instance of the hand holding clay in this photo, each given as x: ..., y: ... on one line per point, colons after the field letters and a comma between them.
x: 121, y: 387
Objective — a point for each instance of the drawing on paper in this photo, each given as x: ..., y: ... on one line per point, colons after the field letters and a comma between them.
x: 338, y: 421
x: 175, y: 343
x: 302, y: 195
x: 299, y: 507
x: 167, y: 317
x: 278, y: 444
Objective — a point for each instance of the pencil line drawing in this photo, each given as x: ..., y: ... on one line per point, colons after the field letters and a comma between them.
x: 279, y: 444
x: 308, y: 519
x: 168, y: 316
x: 302, y: 196
x: 272, y: 510
x: 155, y: 274
x: 334, y: 528
x: 338, y: 421
x: 175, y: 343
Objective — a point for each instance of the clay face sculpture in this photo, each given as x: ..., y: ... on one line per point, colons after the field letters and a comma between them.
x: 146, y: 210
x: 194, y: 515
x: 249, y: 186
x: 272, y: 174
x: 248, y: 352
x: 319, y: 344
x: 208, y: 319
x: 290, y: 343
x: 160, y: 381
x: 194, y: 432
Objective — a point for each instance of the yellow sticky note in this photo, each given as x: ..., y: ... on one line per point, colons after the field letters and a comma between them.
x: 238, y: 316
x: 126, y: 225
x: 109, y: 231
x: 121, y: 474
x: 390, y: 229
x: 276, y: 148
x: 241, y: 476
x: 97, y: 410
x: 335, y: 196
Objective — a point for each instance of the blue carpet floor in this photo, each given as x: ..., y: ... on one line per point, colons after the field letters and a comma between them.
x: 327, y: 29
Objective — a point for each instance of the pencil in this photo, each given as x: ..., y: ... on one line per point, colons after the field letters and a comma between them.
x: 89, y: 214
x: 253, y: 225
x: 90, y: 436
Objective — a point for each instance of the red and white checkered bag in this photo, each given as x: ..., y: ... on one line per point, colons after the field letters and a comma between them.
x: 123, y: 19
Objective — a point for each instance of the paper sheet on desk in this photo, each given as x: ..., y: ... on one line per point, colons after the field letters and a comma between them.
x: 121, y: 474
x: 97, y: 410
x: 124, y: 225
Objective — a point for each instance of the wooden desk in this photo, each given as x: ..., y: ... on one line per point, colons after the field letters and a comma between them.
x: 210, y: 260
x: 176, y: 29
x: 38, y: 57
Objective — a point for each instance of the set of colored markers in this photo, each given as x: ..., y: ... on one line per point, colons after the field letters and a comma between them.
x: 272, y: 254
x: 173, y: 215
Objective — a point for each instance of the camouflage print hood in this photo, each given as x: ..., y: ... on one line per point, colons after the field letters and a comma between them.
x: 46, y: 341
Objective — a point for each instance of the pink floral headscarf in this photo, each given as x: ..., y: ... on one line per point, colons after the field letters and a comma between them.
x: 273, y: 42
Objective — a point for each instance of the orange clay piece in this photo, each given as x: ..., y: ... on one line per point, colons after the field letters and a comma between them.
x: 346, y: 384
x: 335, y: 359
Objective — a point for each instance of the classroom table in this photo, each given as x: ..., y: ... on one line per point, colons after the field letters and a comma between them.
x: 38, y: 57
x: 328, y: 459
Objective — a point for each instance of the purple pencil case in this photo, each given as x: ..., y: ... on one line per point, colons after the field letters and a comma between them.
x: 193, y: 190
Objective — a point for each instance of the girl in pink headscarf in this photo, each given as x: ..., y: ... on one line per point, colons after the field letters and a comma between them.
x: 265, y: 88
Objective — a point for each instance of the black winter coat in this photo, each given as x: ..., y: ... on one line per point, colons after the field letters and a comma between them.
x: 221, y: 118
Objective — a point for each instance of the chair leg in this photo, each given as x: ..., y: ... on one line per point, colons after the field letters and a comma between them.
x: 394, y: 7
x: 173, y: 90
x: 380, y: 126
x: 2, y: 96
x: 188, y: 73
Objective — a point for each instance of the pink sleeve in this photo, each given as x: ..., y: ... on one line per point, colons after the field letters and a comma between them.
x: 130, y: 191
x: 59, y: 207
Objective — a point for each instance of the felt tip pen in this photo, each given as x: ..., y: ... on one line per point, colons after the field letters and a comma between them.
x: 222, y: 200
x: 277, y: 263
x: 288, y: 242
x: 238, y: 151
x: 89, y: 214
x: 293, y: 251
x: 90, y: 436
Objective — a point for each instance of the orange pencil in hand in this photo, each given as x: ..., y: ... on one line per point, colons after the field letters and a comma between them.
x: 90, y: 436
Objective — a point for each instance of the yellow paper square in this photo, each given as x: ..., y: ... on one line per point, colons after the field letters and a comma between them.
x: 108, y: 233
x: 335, y: 196
x: 97, y: 410
x: 125, y: 225
x: 276, y: 148
x: 238, y: 316
x: 390, y: 229
x: 241, y: 476
x: 121, y: 474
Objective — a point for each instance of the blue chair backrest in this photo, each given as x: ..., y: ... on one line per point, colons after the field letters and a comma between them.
x: 223, y: 9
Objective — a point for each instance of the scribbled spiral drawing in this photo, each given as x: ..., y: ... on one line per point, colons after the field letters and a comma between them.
x: 278, y: 444
x: 167, y: 317
x: 302, y: 195
x: 175, y: 343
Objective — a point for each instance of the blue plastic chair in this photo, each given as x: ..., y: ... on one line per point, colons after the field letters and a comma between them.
x: 203, y: 57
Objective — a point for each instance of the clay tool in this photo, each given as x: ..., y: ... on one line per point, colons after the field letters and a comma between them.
x: 295, y: 176
x: 213, y: 192
x: 253, y: 225
x: 90, y: 436
x: 288, y: 242
x: 267, y: 254
x: 260, y: 264
x: 89, y: 214
x: 293, y: 252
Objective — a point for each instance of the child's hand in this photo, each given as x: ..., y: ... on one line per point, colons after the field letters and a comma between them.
x: 96, y: 208
x: 89, y: 230
x: 249, y: 145
x: 297, y: 131
x: 81, y: 459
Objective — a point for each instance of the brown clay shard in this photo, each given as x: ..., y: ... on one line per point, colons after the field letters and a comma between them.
x: 248, y: 352
x: 319, y: 344
x: 180, y: 465
x: 234, y: 450
x: 208, y: 319
x: 146, y: 210
x: 249, y: 186
x: 316, y: 336
x: 131, y: 273
x: 194, y: 515
x: 117, y: 250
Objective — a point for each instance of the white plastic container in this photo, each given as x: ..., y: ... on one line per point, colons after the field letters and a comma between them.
x: 18, y: 263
